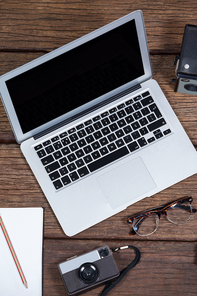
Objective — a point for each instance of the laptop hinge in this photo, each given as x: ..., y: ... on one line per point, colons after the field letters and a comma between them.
x: 85, y: 112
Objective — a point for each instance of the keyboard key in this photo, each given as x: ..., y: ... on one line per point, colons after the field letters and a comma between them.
x: 121, y: 106
x: 57, y: 145
x: 88, y: 159
x: 48, y: 159
x: 63, y: 135
x: 145, y: 111
x: 88, y: 122
x: 79, y: 153
x: 73, y: 147
x: 142, y: 142
x: 97, y: 135
x: 65, y: 141
x: 74, y: 176
x: 103, y: 141
x: 54, y: 139
x: 65, y: 150
x: 133, y: 146
x: 121, y: 123
x: 80, y: 126
x: 38, y: 147
x: 89, y: 129
x: 113, y: 117
x: 96, y: 118
x: 129, y: 119
x: 112, y: 110
x: 150, y: 140
x: 105, y: 121
x: 166, y: 132
x: 49, y: 149
x: 63, y: 161
x: 72, y: 130
x: 143, y: 121
x: 135, y: 125
x: 81, y: 143
x: 96, y: 145
x: 66, y: 180
x: 46, y: 143
x: 52, y: 167
x: 155, y: 109
x: 89, y: 139
x: 145, y: 94
x: 158, y: 134
x: 104, y: 114
x: 81, y: 133
x: 143, y: 131
x: 97, y: 125
x: 103, y: 151
x: 57, y: 184
x: 127, y: 129
x: 71, y: 167
x: 108, y: 159
x: 121, y: 113
x: 137, y: 98
x: 119, y: 133
x: 135, y: 135
x: 96, y: 155
x: 151, y: 117
x: 127, y: 139
x: 57, y: 155
x: 156, y: 124
x: 119, y: 143
x: 129, y: 102
x: 80, y: 163
x: 71, y: 157
x: 88, y: 149
x: 55, y: 175
x: 137, y: 115
x: 137, y: 106
x: 113, y: 127
x: 74, y: 137
x: 105, y: 131
x: 63, y: 171
x: 41, y: 153
x: 83, y: 172
x: 147, y: 101
x: 111, y: 147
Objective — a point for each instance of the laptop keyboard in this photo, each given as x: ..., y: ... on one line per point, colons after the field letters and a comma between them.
x: 101, y: 140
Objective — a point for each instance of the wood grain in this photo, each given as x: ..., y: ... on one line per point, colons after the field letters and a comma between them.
x: 46, y: 25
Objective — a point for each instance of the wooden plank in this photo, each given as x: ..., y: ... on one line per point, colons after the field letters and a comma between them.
x: 45, y: 25
x: 19, y: 188
x: 167, y: 267
x: 185, y: 106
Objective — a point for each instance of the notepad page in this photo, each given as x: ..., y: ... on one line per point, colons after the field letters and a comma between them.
x: 25, y: 229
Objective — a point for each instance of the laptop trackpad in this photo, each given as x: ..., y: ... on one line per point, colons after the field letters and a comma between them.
x: 127, y: 182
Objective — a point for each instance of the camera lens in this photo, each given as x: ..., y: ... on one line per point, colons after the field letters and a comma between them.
x: 104, y: 253
x: 88, y: 273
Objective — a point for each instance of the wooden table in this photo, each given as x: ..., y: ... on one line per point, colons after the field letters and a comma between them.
x: 29, y: 29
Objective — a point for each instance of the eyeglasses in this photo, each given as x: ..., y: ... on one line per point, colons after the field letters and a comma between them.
x: 147, y: 222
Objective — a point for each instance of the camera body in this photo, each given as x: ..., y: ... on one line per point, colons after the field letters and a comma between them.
x: 186, y: 64
x: 88, y: 270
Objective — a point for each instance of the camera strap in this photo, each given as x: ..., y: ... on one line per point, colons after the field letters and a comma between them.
x: 110, y: 285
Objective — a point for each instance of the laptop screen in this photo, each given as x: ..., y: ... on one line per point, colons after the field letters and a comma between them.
x: 76, y: 77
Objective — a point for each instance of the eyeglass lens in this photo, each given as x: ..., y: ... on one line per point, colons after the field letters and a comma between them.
x: 146, y: 225
x: 177, y: 214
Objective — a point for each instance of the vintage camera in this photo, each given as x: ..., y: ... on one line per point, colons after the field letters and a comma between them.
x: 186, y: 64
x: 88, y: 270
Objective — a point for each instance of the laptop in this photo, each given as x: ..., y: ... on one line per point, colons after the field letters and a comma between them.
x: 95, y: 128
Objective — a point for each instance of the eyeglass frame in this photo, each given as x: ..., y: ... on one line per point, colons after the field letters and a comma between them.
x: 160, y: 210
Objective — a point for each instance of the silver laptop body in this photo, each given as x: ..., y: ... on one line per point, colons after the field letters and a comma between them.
x: 96, y: 130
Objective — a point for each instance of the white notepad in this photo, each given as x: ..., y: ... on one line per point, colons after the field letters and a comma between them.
x: 25, y: 229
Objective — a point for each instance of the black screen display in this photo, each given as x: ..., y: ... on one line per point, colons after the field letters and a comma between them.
x: 76, y: 77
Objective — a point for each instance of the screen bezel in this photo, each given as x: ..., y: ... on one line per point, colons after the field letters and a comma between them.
x: 6, y: 99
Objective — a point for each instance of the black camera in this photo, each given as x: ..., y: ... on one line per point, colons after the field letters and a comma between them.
x: 88, y: 270
x: 186, y: 64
